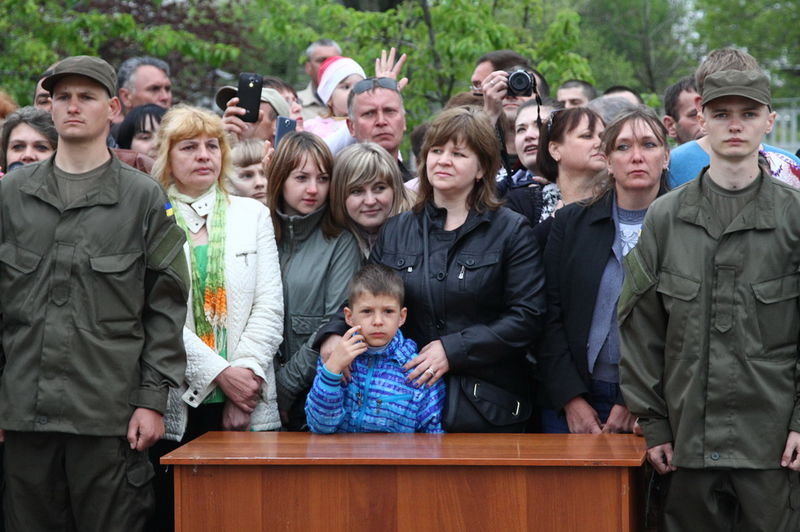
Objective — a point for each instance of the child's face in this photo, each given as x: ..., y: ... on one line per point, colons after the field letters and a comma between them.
x: 379, y: 316
x: 250, y: 182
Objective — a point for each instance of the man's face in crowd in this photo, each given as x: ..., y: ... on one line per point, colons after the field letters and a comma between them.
x: 687, y: 126
x: 481, y: 72
x: 318, y: 56
x: 379, y: 117
x: 572, y: 97
x: 150, y: 85
x: 265, y: 128
x: 41, y: 98
x: 82, y: 109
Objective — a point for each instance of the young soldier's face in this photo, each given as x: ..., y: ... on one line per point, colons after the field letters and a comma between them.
x: 82, y: 109
x: 736, y: 125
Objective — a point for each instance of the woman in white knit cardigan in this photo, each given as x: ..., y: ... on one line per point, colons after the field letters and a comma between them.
x: 234, y: 322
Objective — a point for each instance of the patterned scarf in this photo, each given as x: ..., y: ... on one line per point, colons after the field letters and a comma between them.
x: 209, y: 306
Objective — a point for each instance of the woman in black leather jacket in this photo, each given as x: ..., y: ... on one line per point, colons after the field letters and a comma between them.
x: 473, y: 278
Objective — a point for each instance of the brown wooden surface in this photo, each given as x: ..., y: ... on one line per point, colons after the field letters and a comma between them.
x: 378, y: 482
x: 257, y: 448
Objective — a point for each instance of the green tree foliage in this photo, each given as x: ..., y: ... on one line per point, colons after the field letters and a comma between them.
x: 443, y: 39
x: 769, y: 30
x: 639, y: 43
x: 36, y: 33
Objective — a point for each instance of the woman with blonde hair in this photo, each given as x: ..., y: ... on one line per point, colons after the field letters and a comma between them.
x: 235, y: 316
x: 367, y: 190
x: 317, y: 258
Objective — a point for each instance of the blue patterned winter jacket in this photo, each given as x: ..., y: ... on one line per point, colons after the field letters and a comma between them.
x: 378, y: 399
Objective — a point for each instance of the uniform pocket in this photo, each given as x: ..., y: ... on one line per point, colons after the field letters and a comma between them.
x: 18, y: 268
x: 679, y: 298
x: 118, y: 287
x: 776, y: 303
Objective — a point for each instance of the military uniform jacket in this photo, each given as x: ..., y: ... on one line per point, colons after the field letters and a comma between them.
x: 709, y: 325
x: 93, y: 302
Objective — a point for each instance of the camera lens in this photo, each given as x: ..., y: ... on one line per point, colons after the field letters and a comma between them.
x: 520, y: 83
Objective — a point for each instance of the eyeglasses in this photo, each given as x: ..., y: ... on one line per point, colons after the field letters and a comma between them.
x: 370, y: 83
x: 476, y: 88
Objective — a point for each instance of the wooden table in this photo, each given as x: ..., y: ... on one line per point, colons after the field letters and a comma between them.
x: 272, y: 481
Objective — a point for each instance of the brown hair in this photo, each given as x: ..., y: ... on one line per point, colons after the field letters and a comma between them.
x: 7, y: 104
x: 472, y: 127
x: 605, y: 182
x: 291, y: 154
x: 723, y: 59
x: 555, y: 129
x: 186, y: 122
x: 376, y: 279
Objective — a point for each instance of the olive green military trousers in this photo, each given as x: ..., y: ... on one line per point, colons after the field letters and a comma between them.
x: 58, y: 482
x: 728, y: 500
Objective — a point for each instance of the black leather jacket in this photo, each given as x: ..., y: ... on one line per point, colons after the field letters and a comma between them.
x: 487, y: 287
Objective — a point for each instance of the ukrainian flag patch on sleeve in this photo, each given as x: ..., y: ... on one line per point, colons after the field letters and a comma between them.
x: 168, y: 209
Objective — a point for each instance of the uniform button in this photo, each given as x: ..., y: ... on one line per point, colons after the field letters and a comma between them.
x: 42, y: 420
x: 401, y: 262
x: 715, y: 455
x: 470, y: 262
x: 194, y: 392
x: 440, y: 276
x: 439, y: 324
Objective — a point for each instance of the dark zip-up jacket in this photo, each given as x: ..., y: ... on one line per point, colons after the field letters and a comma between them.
x: 487, y: 286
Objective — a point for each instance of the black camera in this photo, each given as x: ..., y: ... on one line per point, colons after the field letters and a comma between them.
x: 521, y: 83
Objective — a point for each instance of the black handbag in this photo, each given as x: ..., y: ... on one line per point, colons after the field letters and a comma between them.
x: 472, y: 404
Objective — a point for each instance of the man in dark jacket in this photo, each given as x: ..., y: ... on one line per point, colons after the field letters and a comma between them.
x: 94, y: 286
x: 709, y: 322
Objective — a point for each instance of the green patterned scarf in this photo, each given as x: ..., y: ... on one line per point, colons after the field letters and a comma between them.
x: 210, y: 305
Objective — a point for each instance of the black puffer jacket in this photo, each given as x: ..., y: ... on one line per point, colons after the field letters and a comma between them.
x: 486, y: 282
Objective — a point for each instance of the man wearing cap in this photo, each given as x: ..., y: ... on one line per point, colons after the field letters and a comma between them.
x: 94, y: 285
x: 709, y: 321
x: 272, y: 106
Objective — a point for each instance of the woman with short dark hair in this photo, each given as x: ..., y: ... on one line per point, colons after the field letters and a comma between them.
x: 473, y: 278
x: 28, y: 136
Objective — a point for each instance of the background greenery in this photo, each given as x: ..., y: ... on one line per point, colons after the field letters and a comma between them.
x: 647, y: 44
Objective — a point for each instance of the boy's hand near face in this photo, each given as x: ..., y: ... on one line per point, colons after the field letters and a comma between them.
x: 346, y: 351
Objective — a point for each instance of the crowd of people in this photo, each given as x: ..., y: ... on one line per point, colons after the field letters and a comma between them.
x: 538, y: 264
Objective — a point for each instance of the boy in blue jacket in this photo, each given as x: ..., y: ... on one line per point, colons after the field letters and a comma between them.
x: 377, y: 398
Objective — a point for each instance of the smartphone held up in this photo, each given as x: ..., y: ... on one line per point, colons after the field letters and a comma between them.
x: 250, y: 95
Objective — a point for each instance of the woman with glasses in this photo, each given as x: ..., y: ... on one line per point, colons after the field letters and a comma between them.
x: 579, y: 358
x: 473, y: 279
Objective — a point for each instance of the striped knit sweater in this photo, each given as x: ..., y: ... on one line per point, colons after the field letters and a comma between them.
x: 378, y: 399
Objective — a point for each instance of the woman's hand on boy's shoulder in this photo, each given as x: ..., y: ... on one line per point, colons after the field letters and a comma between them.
x: 351, y: 345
